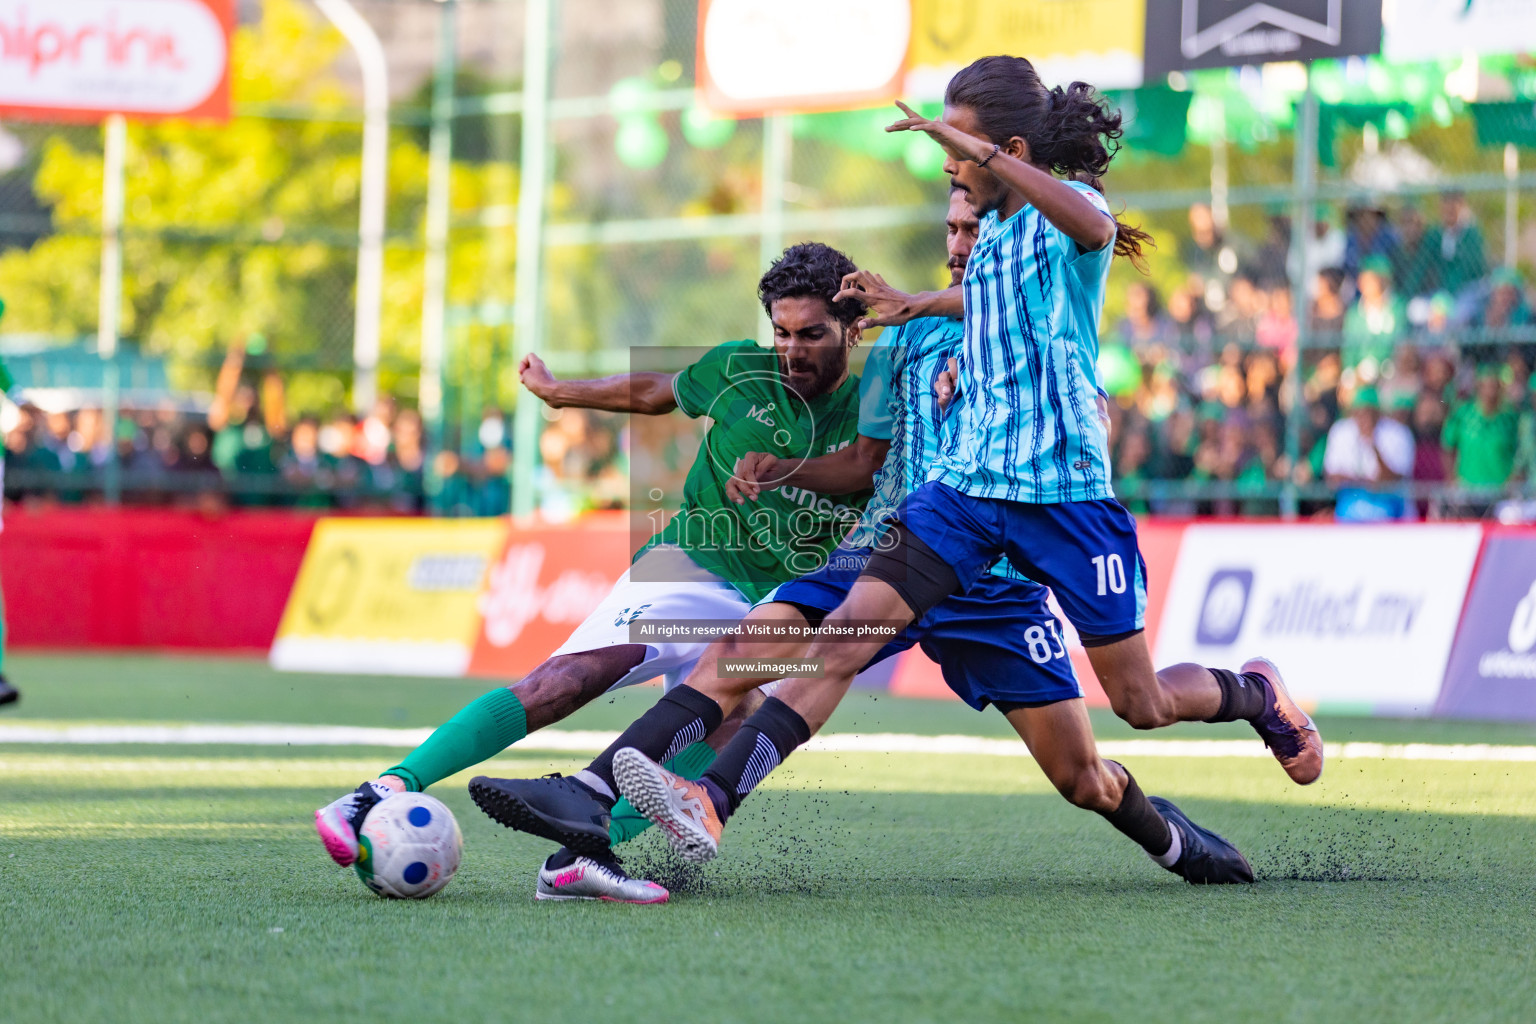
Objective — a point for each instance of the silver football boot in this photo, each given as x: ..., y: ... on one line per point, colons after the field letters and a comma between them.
x: 594, y: 878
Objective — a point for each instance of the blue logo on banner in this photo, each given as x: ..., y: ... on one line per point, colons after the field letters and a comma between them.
x: 1224, y: 608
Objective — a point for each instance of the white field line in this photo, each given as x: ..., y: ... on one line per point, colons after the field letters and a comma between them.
x: 584, y: 741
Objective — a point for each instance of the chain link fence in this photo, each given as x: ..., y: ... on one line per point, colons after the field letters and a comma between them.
x: 1230, y: 362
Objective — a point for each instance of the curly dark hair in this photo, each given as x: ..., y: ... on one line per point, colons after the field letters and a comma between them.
x: 815, y: 270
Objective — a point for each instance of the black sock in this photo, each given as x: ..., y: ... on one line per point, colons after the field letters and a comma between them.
x: 1139, y: 820
x: 682, y: 717
x: 765, y: 740
x: 561, y: 858
x: 1243, y: 697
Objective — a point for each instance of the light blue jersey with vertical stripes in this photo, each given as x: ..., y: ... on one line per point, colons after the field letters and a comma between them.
x: 897, y: 403
x: 1024, y: 423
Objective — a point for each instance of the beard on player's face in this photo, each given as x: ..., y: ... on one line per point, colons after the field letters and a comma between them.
x: 811, y: 344
x: 813, y: 370
x: 961, y: 237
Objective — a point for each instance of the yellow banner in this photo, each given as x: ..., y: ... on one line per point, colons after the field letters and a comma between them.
x: 1095, y: 41
x: 388, y: 595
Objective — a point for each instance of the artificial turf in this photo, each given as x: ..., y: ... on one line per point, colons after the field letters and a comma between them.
x: 171, y: 883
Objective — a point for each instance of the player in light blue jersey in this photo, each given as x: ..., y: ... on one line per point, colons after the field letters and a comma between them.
x: 1024, y: 467
x: 996, y: 644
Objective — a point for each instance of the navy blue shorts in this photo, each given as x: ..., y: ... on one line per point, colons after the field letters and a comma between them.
x: 1085, y: 551
x: 996, y: 642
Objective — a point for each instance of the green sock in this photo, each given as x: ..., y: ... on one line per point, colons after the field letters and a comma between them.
x: 627, y: 822
x: 482, y: 729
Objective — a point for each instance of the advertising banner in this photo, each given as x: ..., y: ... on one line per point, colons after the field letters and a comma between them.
x: 1359, y: 618
x: 393, y: 596
x: 543, y: 583
x: 1492, y: 671
x: 1434, y: 29
x: 764, y: 56
x: 1186, y: 34
x: 81, y: 60
x: 1096, y: 41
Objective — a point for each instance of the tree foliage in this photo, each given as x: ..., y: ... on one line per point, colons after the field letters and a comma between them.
x: 250, y: 227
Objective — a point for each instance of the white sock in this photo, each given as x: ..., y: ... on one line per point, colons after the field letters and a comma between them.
x: 1175, y: 848
x: 595, y: 782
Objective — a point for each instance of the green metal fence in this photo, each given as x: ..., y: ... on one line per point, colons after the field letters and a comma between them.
x: 571, y: 197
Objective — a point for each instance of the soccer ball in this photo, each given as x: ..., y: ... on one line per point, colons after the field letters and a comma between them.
x: 408, y: 847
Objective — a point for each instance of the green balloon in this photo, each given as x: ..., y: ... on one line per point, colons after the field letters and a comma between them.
x: 641, y: 143
x: 1119, y: 371
x: 630, y: 96
x: 704, y: 130
x: 923, y: 157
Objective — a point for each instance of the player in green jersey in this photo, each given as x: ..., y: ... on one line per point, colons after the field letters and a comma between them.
x: 713, y: 560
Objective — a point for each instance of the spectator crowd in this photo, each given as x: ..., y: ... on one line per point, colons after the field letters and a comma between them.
x: 1416, y: 376
x: 246, y: 449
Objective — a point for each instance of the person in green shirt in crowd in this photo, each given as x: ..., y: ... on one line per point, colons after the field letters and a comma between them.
x: 245, y: 427
x: 1452, y: 251
x: 1525, y: 437
x: 1373, y: 325
x: 1480, y: 435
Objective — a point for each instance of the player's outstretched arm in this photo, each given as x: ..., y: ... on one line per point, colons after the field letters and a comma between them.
x: 1061, y: 204
x: 889, y: 307
x: 847, y: 471
x: 648, y: 393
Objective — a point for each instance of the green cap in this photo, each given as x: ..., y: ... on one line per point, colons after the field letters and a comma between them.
x: 1366, y: 398
x: 1505, y: 275
x: 1377, y: 265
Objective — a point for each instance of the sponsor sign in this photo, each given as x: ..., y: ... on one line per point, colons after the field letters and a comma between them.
x: 761, y: 56
x: 543, y: 583
x: 1432, y: 29
x: 393, y: 596
x: 1492, y: 670
x: 1186, y: 34
x: 81, y: 60
x: 1097, y: 41
x: 1352, y: 622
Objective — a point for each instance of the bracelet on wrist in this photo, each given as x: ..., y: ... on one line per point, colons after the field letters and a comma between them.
x: 995, y: 149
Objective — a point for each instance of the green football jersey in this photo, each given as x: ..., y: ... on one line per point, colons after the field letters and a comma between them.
x: 786, y: 532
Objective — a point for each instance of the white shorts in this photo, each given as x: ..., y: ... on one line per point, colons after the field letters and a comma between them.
x: 688, y: 592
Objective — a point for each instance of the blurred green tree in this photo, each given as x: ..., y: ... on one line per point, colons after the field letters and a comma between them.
x: 250, y: 227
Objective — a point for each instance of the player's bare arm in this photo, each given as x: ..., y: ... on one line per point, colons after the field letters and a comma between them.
x: 847, y: 471
x: 1009, y: 161
x: 891, y: 307
x: 647, y: 393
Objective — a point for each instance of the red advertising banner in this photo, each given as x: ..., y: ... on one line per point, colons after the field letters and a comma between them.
x: 81, y: 60
x: 547, y: 580
x: 95, y: 577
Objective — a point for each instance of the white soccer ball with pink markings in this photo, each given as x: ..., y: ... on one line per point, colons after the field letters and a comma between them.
x: 408, y: 847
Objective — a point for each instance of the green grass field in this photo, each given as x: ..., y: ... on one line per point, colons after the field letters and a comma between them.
x: 171, y: 883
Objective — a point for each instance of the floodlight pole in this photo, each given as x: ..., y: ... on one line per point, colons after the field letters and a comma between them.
x: 776, y: 157
x: 1303, y: 214
x: 434, y: 302
x: 375, y: 173
x: 533, y: 183
x: 114, y: 160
